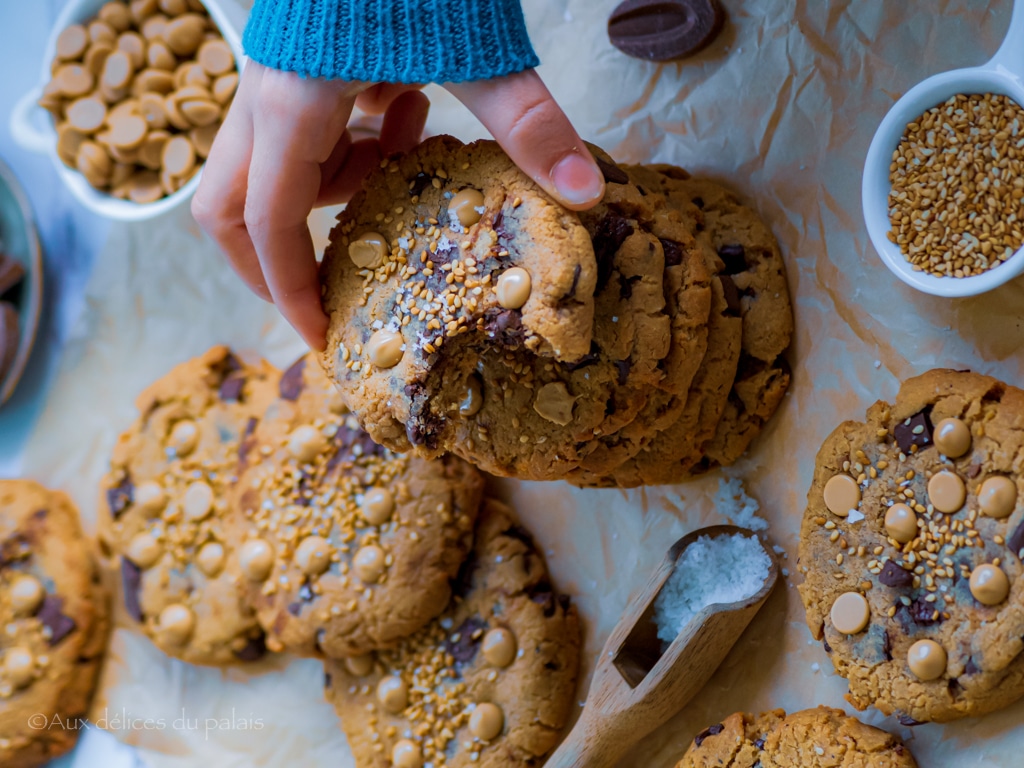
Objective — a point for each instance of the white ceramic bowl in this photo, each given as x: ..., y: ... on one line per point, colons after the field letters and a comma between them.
x: 32, y: 127
x: 1001, y: 75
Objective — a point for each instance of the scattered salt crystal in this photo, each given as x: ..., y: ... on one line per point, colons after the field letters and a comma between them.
x: 723, y: 569
x: 481, y: 209
x: 454, y: 224
x: 815, y: 667
x: 878, y: 363
x: 403, y: 243
x: 854, y: 516
x: 785, y: 572
x: 732, y: 501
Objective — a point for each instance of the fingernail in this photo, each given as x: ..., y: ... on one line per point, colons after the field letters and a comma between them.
x: 577, y: 180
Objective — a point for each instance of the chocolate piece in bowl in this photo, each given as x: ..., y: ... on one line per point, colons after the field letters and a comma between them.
x: 11, y: 273
x: 662, y: 30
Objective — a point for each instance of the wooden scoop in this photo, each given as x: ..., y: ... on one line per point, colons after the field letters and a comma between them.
x: 636, y: 687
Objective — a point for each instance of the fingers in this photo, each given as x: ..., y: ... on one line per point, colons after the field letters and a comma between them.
x: 521, y: 114
x: 402, y: 128
x: 377, y: 98
x: 297, y: 125
x: 219, y: 202
x: 404, y: 122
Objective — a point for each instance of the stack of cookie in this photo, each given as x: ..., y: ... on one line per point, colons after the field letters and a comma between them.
x: 248, y: 513
x: 636, y: 343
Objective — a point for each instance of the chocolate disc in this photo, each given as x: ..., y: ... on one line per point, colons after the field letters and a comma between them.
x: 661, y: 30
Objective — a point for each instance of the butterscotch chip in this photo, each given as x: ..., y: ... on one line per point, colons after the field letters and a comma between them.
x: 191, y: 73
x: 385, y: 348
x: 122, y: 109
x: 155, y: 27
x: 94, y: 163
x: 144, y: 187
x: 133, y: 44
x: 850, y: 613
x: 87, y: 114
x: 152, y: 148
x: 202, y: 139
x: 997, y: 497
x: 554, y: 403
x: 926, y: 659
x: 499, y: 647
x: 159, y: 56
x: 185, y: 33
x: 101, y: 32
x: 989, y: 584
x: 127, y: 131
x: 120, y: 155
x: 120, y: 173
x: 111, y: 95
x: 52, y: 100
x: 175, y: 624
x: 153, y: 81
x: 26, y: 593
x: 841, y: 495
x: 946, y: 491
x: 487, y: 721
x: 952, y: 437
x: 173, y: 7
x: 224, y: 87
x: 200, y: 112
x: 513, y: 288
x: 174, y: 116
x: 68, y: 142
x: 465, y: 204
x: 71, y: 42
x: 117, y: 70
x: 215, y: 57
x: 74, y: 80
x: 170, y: 184
x: 97, y: 55
x: 151, y: 107
x: 901, y: 523
x: 117, y: 15
x: 142, y: 9
x: 178, y: 157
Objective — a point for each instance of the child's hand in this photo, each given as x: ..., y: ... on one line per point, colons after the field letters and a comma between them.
x: 284, y: 148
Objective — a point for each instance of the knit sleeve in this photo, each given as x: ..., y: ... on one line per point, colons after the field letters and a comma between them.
x: 395, y: 41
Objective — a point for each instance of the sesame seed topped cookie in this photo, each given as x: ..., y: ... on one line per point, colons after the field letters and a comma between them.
x: 448, y: 243
x: 813, y: 738
x: 54, y: 612
x: 345, y: 546
x: 490, y: 683
x: 911, y: 549
x: 165, y: 501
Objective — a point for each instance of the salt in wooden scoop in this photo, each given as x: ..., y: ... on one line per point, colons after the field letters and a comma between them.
x: 636, y: 686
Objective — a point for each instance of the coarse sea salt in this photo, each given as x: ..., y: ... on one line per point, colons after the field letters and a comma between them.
x: 721, y: 569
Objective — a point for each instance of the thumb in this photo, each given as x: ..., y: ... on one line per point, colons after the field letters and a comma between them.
x: 521, y: 114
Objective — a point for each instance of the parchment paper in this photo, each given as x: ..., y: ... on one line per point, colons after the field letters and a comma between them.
x: 782, y: 106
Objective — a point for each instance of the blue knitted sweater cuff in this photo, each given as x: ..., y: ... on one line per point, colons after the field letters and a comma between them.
x: 394, y: 41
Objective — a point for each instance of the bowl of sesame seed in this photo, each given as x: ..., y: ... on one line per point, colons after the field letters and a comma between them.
x: 943, y: 185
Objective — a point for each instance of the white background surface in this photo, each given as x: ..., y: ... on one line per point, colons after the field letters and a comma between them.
x: 782, y: 107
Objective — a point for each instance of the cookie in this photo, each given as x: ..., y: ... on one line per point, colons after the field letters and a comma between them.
x: 754, y: 265
x: 911, y: 549
x: 345, y: 547
x: 812, y: 738
x: 490, y: 683
x: 446, y: 245
x: 743, y: 376
x: 538, y: 420
x: 165, y: 501
x: 55, y: 614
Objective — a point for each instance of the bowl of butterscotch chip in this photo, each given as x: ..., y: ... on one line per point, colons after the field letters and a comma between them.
x: 131, y: 98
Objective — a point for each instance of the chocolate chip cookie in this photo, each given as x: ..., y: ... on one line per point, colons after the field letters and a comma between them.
x: 539, y: 420
x: 743, y: 376
x: 54, y: 611
x: 165, y: 501
x: 490, y: 683
x: 911, y: 549
x: 814, y: 738
x: 449, y: 244
x: 345, y: 547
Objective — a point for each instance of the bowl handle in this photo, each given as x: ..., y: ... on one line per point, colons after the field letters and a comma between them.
x: 1011, y: 51
x: 24, y: 128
